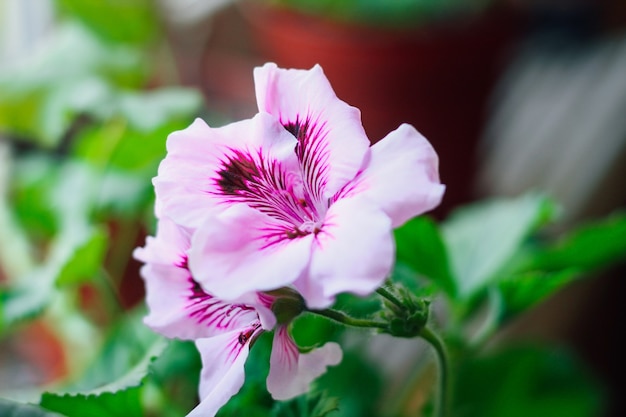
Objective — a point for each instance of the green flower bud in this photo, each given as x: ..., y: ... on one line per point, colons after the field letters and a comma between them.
x: 288, y: 305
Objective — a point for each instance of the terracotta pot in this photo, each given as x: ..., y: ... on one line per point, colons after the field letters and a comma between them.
x: 436, y: 77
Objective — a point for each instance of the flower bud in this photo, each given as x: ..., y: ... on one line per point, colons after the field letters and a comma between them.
x: 287, y: 305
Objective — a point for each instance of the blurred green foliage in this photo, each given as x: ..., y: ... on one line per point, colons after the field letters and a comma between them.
x: 83, y: 124
x: 526, y: 381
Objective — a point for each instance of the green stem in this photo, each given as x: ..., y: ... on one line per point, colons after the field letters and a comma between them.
x: 340, y: 317
x: 444, y: 389
x: 389, y: 296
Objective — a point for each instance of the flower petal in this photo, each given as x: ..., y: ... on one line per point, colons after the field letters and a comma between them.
x: 401, y: 176
x: 195, y: 176
x: 178, y: 306
x: 223, y: 359
x: 262, y: 303
x: 353, y: 252
x: 332, y: 142
x: 291, y: 373
x: 241, y: 250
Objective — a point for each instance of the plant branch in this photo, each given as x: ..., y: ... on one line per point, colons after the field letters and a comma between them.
x: 444, y: 384
x: 343, y: 318
x: 383, y: 292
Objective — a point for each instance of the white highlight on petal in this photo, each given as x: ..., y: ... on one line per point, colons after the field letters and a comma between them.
x: 291, y: 372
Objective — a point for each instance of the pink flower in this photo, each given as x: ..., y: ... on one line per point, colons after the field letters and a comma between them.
x: 295, y: 196
x: 223, y: 332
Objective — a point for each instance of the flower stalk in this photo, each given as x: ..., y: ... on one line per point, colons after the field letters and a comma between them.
x: 343, y: 318
x: 387, y: 295
x: 443, y: 396
x: 406, y: 316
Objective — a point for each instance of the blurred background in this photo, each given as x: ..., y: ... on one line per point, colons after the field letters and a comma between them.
x: 514, y: 95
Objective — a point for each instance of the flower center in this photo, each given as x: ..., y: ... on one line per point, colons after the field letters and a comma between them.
x: 310, y: 226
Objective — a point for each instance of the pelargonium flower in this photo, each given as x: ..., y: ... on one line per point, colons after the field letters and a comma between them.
x: 296, y: 196
x: 223, y: 332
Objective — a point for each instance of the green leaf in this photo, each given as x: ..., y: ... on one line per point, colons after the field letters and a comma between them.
x: 522, y: 291
x: 526, y: 381
x: 16, y: 252
x: 112, y: 384
x: 591, y: 246
x: 149, y: 110
x: 135, y: 21
x: 73, y: 74
x: 86, y: 261
x: 25, y: 300
x: 177, y: 373
x: 32, y: 179
x: 125, y: 403
x: 134, y: 139
x: 356, y: 381
x: 75, y: 253
x: 419, y: 245
x: 125, y: 194
x: 15, y: 409
x: 124, y: 358
x: 545, y: 267
x: 312, y: 330
x: 312, y: 404
x: 483, y: 237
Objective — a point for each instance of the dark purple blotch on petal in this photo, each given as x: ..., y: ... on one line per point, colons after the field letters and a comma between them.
x: 238, y: 172
x: 297, y: 128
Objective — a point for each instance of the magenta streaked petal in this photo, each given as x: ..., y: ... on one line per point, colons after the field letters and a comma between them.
x: 401, y: 176
x: 216, y: 315
x: 223, y: 359
x: 264, y: 184
x: 262, y: 304
x: 353, y: 253
x: 177, y: 306
x: 291, y: 372
x: 242, y: 250
x: 167, y: 283
x: 167, y: 300
x: 332, y: 142
x: 188, y: 183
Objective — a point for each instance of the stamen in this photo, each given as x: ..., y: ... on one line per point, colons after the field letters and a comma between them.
x: 244, y: 337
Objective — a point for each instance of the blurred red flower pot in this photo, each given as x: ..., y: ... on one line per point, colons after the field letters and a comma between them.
x: 437, y: 76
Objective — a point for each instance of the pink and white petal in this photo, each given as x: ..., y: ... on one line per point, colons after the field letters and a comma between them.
x: 354, y: 252
x: 291, y: 372
x: 167, y: 282
x: 168, y: 247
x: 167, y: 298
x: 262, y: 304
x: 332, y: 139
x: 187, y: 184
x: 222, y: 376
x: 401, y: 176
x: 178, y: 307
x: 241, y: 250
